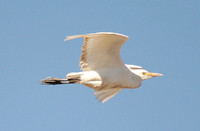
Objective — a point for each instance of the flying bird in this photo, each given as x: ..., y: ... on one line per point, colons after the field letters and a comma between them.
x: 102, y: 67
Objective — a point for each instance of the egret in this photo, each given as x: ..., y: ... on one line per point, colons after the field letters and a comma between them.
x: 102, y: 67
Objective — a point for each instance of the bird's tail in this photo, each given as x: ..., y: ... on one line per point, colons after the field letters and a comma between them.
x: 56, y: 81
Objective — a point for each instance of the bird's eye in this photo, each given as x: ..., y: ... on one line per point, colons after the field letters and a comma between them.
x: 144, y: 73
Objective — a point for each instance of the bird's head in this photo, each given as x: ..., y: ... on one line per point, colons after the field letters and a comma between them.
x: 147, y: 75
x: 144, y: 74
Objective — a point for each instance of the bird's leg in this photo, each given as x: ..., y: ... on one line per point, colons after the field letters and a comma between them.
x: 54, y: 81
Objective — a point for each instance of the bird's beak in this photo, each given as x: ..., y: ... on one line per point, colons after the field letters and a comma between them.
x: 153, y: 74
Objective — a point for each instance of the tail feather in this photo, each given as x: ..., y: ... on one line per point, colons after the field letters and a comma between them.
x: 56, y: 81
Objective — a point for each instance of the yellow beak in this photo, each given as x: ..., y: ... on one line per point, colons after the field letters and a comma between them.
x: 153, y: 74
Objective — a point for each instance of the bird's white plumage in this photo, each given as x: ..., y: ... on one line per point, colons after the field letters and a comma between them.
x: 106, y: 94
x: 101, y: 54
x: 103, y: 69
x: 100, y: 50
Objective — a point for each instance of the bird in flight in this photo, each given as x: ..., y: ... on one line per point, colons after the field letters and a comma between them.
x: 102, y: 67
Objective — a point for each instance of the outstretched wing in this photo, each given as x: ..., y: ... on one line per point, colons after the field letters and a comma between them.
x: 101, y: 50
x: 105, y: 94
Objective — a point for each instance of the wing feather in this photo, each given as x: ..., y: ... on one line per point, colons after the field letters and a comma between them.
x: 100, y: 50
x: 106, y: 94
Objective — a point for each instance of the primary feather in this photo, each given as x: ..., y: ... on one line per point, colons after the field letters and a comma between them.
x: 100, y: 50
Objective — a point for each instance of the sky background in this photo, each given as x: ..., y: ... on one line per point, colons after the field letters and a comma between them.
x: 164, y: 38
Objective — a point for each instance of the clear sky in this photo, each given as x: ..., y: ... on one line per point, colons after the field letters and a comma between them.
x: 164, y: 38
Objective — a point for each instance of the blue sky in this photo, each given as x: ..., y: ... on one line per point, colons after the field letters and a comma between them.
x: 164, y: 38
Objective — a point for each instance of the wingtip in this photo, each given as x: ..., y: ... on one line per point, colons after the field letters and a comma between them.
x: 91, y: 34
x: 73, y: 37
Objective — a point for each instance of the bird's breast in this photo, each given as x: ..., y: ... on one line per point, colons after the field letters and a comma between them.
x: 119, y: 77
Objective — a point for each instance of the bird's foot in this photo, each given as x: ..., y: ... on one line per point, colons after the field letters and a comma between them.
x: 54, y: 81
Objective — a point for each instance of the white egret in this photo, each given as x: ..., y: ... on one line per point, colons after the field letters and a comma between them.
x: 102, y: 66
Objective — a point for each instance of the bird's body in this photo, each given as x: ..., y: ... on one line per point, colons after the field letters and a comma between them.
x: 101, y: 79
x: 103, y: 69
